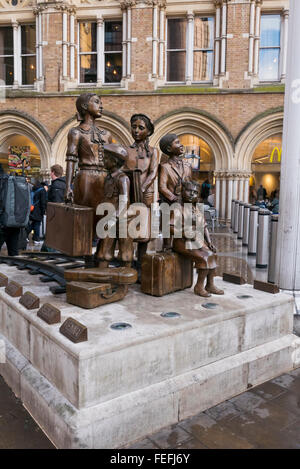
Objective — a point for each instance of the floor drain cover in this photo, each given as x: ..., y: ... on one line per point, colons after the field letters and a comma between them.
x: 118, y: 326
x: 244, y: 297
x: 170, y: 314
x: 210, y: 305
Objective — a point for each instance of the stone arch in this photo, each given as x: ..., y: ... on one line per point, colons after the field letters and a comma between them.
x: 256, y: 131
x: 201, y: 124
x: 16, y: 122
x: 109, y: 121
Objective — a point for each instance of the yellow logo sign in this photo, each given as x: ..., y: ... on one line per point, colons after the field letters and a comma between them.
x: 279, y: 152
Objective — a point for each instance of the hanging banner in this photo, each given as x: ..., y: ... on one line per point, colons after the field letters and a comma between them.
x: 18, y: 154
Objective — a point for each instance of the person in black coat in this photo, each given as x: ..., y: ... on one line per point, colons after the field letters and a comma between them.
x: 39, y: 209
x: 57, y: 188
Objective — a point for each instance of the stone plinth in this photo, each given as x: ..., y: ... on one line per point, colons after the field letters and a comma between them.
x: 122, y: 385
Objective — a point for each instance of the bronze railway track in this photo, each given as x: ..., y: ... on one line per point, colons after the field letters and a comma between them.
x: 50, y: 266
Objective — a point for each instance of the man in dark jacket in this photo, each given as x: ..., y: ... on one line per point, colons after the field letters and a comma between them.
x: 57, y: 189
x: 36, y: 216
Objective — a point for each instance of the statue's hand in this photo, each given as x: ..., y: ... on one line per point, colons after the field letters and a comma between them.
x: 69, y: 196
x: 212, y: 247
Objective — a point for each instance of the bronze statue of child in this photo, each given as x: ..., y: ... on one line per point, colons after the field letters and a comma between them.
x: 174, y: 171
x: 203, y: 253
x: 116, y: 184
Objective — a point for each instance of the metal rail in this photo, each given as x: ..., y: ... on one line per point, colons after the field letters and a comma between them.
x: 51, y: 266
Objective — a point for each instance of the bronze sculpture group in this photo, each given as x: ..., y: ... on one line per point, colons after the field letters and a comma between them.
x: 107, y: 170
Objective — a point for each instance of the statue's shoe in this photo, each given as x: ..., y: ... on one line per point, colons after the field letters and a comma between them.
x: 214, y: 290
x: 200, y: 291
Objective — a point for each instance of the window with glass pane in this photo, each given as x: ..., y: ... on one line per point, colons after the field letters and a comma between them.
x: 269, y: 53
x: 113, y: 52
x: 6, y: 56
x: 176, y: 49
x: 28, y: 56
x: 203, y: 48
x: 88, y: 52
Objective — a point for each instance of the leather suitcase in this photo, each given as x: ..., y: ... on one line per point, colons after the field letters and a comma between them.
x: 90, y: 295
x: 115, y: 275
x: 70, y: 228
x: 165, y: 272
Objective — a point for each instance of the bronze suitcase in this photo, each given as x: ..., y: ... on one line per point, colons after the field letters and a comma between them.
x: 116, y: 275
x: 70, y: 228
x: 90, y: 295
x: 165, y: 272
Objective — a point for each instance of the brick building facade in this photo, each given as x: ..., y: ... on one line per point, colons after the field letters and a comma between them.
x: 212, y: 71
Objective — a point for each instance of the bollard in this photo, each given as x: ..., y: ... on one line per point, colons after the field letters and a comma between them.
x: 241, y: 220
x: 253, y: 222
x: 273, y: 249
x: 232, y: 212
x: 246, y: 224
x: 236, y: 216
x: 262, y: 251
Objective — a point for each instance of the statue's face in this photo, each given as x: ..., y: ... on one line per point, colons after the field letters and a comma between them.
x: 176, y: 148
x: 94, y: 107
x: 139, y: 130
x: 190, y: 194
x: 109, y: 162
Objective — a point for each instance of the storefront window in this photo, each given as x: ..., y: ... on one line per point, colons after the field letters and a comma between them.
x: 266, y: 164
x: 17, y: 149
x: 203, y: 159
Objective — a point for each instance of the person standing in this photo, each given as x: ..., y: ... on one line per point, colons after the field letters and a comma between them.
x: 39, y: 209
x: 58, y: 184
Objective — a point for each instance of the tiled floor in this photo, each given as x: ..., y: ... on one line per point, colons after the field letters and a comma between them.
x: 267, y: 416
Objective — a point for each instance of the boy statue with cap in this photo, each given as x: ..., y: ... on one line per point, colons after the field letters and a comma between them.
x: 174, y: 171
x: 116, y: 188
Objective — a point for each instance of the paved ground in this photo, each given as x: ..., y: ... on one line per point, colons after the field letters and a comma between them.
x: 265, y: 417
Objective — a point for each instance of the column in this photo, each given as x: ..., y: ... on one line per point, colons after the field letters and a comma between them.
x: 224, y: 38
x: 161, y: 40
x: 229, y: 196
x: 251, y: 37
x: 257, y: 36
x: 129, y: 41
x: 154, y: 39
x: 246, y: 190
x: 217, y: 204
x: 64, y: 44
x: 100, y: 53
x: 17, y: 57
x: 190, y: 47
x: 284, y: 43
x: 241, y: 188
x: 235, y: 188
x: 124, y: 42
x: 40, y: 46
x: 217, y: 38
x: 223, y: 198
x: 72, y: 44
x: 37, y: 28
x: 288, y: 242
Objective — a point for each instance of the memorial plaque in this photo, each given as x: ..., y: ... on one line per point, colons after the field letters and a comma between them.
x: 265, y: 286
x: 3, y: 280
x: 49, y: 314
x: 29, y: 300
x: 234, y: 278
x: 74, y: 330
x: 14, y: 289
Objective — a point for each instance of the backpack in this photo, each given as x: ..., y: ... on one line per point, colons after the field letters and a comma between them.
x: 15, y: 201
